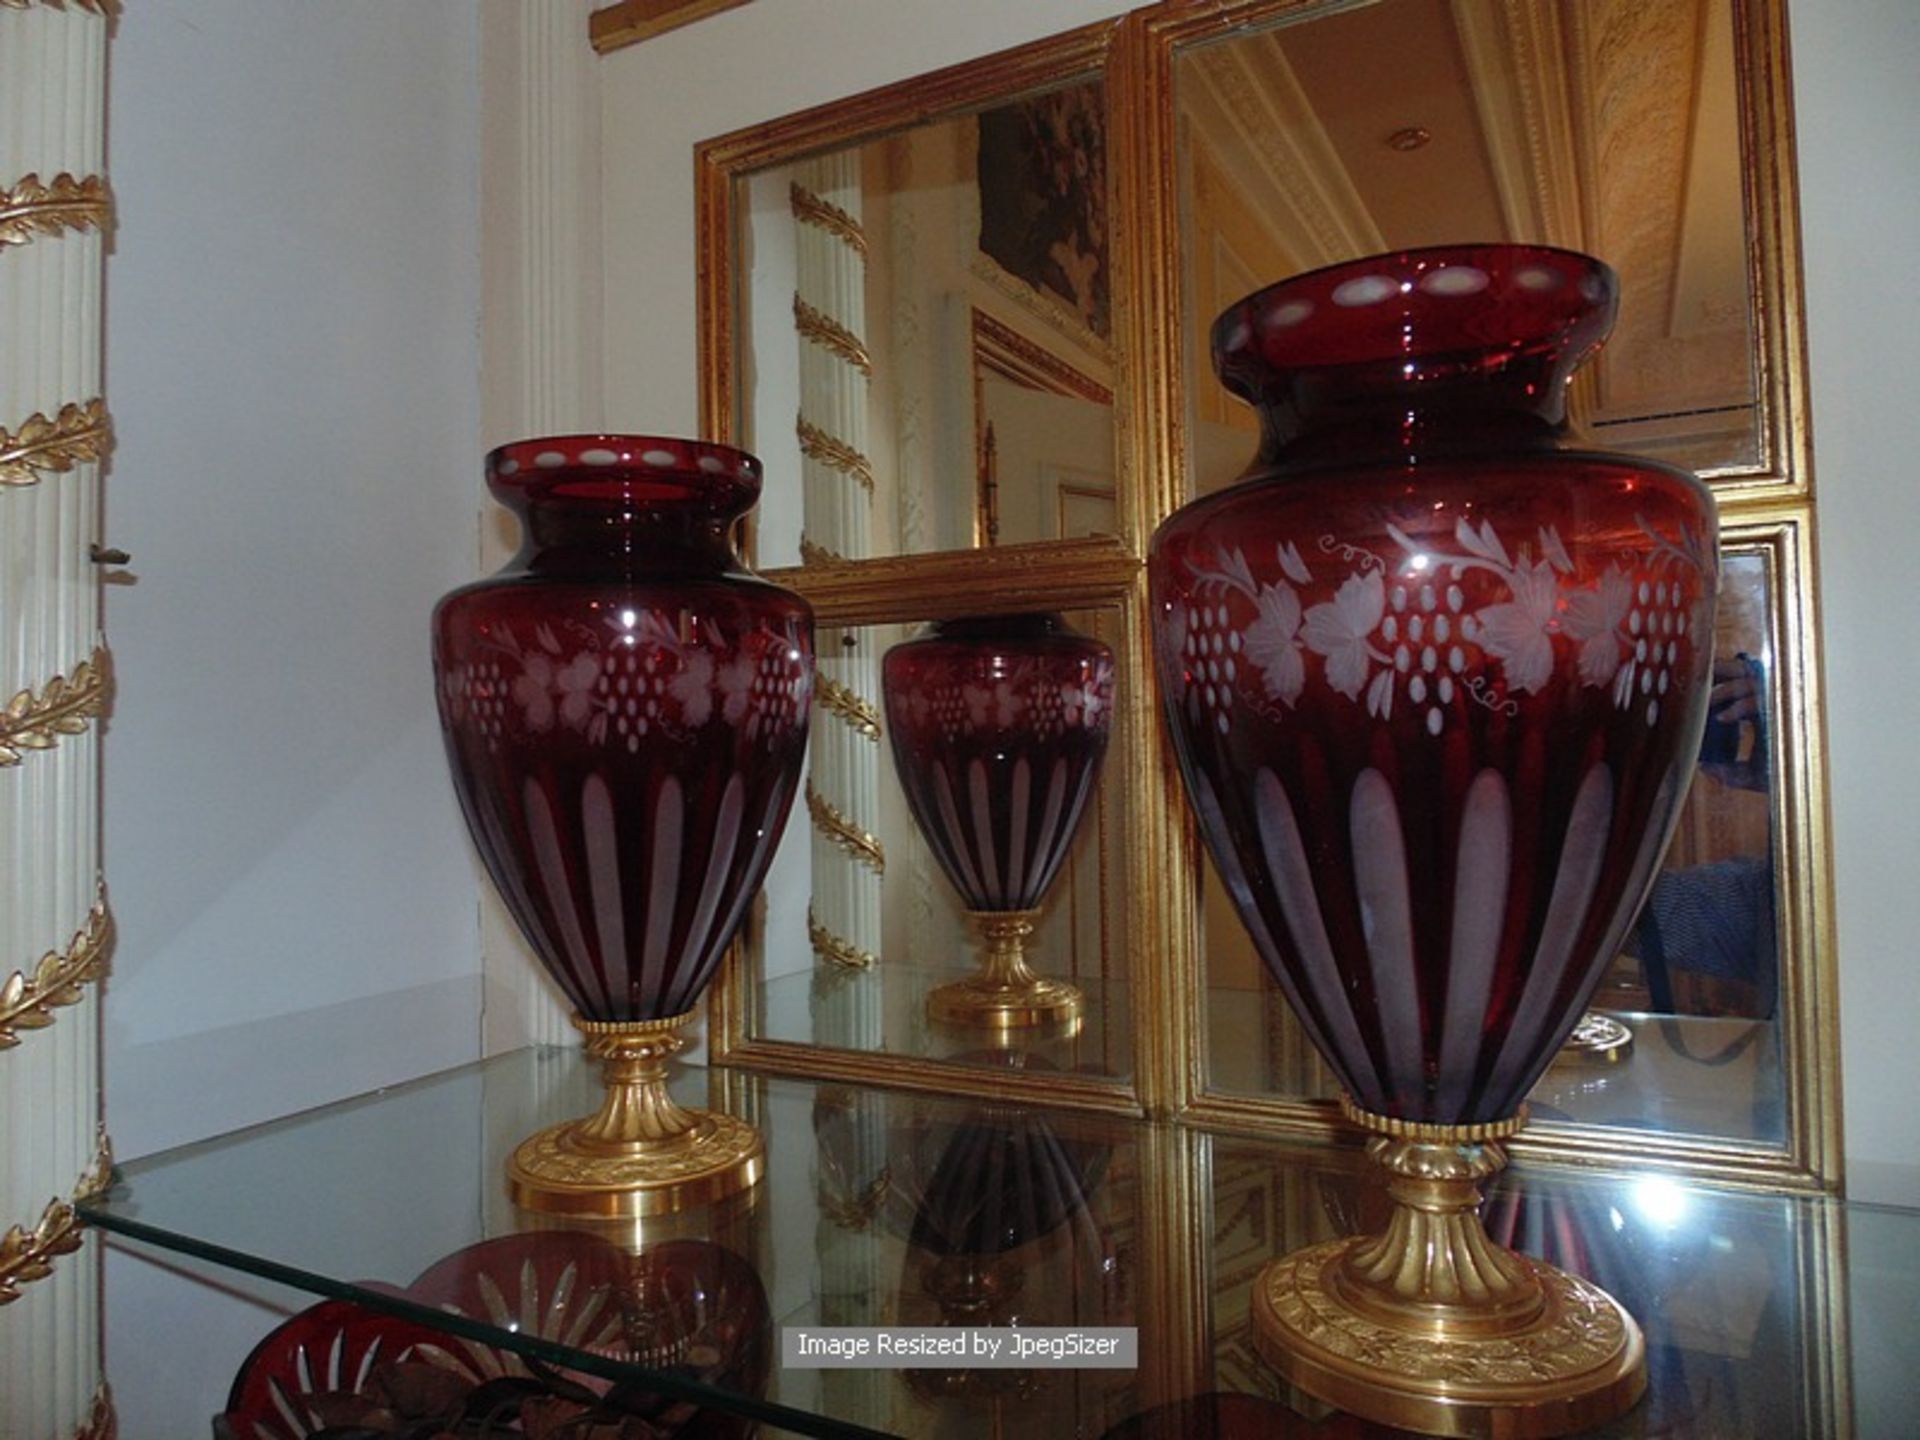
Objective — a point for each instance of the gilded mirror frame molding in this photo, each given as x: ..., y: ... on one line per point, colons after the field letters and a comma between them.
x: 1766, y: 505
x: 1103, y: 572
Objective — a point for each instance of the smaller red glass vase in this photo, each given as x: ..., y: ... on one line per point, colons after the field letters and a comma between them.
x: 999, y: 727
x: 625, y: 709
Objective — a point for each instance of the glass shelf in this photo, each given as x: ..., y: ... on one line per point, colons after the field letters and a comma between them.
x: 867, y: 1193
x: 883, y: 1009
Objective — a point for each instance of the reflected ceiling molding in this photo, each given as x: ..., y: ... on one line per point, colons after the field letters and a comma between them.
x: 998, y: 349
x: 1248, y: 91
x: 1042, y: 306
x: 1636, y: 70
x: 1516, y: 60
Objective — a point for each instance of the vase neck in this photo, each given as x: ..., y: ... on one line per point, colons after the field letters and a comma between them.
x: 1418, y: 354
x: 1311, y: 435
x: 636, y: 502
x: 561, y: 538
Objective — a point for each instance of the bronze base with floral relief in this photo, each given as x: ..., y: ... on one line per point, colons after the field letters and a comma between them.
x: 642, y: 1153
x: 1006, y: 994
x: 1433, y: 1327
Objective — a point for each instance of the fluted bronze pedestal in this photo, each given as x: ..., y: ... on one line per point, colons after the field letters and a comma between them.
x: 1006, y: 994
x: 642, y: 1153
x: 1433, y: 1327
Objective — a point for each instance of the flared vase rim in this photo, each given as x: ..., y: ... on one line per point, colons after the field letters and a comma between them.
x: 1459, y: 252
x: 1447, y: 332
x: 604, y: 464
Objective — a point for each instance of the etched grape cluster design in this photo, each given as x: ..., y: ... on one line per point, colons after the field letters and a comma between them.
x: 1411, y: 632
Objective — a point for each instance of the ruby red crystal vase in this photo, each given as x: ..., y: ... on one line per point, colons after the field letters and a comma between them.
x: 625, y: 710
x: 1435, y: 683
x: 999, y: 727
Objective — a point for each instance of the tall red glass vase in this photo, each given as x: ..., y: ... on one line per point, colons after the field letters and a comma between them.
x: 625, y: 709
x: 1435, y: 683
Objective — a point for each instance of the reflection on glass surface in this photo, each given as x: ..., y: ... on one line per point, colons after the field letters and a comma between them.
x: 998, y: 1211
x: 925, y: 358
x: 688, y: 1307
x: 1602, y: 126
x: 870, y: 1193
x: 808, y: 990
x: 1729, y: 1289
x: 1698, y: 979
x: 864, y: 1190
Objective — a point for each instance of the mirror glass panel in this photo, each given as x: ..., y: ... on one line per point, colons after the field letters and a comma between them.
x: 1698, y: 981
x: 925, y: 352
x: 1599, y: 125
x: 1607, y: 126
x: 859, y: 928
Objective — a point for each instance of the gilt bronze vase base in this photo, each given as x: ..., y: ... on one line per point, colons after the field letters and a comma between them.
x: 1431, y: 1326
x: 643, y: 1153
x: 1006, y: 994
x: 1580, y: 1362
x: 552, y: 1173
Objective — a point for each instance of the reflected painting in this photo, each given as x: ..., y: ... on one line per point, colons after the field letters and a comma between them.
x: 934, y: 308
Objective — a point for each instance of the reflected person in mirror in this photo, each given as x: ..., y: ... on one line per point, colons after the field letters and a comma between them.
x: 1717, y: 920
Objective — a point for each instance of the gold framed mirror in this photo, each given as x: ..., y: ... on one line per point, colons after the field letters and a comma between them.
x: 1243, y: 141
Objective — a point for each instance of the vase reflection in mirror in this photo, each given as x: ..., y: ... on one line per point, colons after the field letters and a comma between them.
x: 1435, y: 684
x: 625, y: 709
x: 999, y: 726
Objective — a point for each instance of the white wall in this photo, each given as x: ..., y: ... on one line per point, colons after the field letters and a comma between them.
x: 1857, y: 107
x: 292, y: 363
x: 1856, y: 102
x: 293, y: 366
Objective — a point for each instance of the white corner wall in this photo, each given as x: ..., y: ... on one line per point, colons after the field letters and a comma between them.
x: 292, y: 349
x: 1856, y: 104
x: 293, y: 303
x: 1857, y: 107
